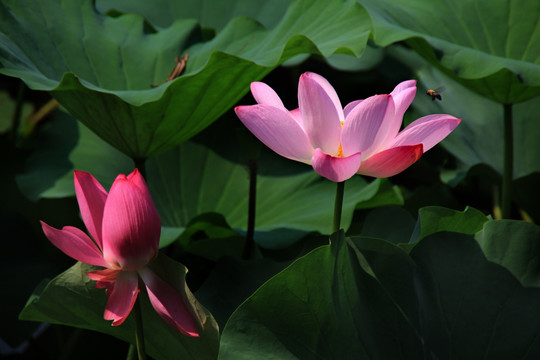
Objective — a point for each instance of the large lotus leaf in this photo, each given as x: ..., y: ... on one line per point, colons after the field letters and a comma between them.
x: 479, y: 137
x: 490, y: 46
x: 101, y: 68
x: 324, y: 306
x: 206, y: 174
x: 213, y: 14
x: 433, y: 219
x: 472, y: 308
x: 446, y: 295
x: 516, y: 246
x: 72, y: 299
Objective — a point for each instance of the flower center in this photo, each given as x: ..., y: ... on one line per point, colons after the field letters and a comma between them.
x: 340, y: 149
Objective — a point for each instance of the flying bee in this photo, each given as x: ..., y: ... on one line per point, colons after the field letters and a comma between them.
x: 435, y: 94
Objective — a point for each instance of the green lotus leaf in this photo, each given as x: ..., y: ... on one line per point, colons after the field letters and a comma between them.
x: 72, y: 299
x: 101, y: 68
x: 489, y: 46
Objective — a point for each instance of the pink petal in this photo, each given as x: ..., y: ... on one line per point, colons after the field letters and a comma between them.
x: 403, y: 95
x: 278, y: 130
x: 368, y: 125
x: 75, y: 243
x: 264, y: 94
x: 122, y: 298
x: 428, y: 130
x: 131, y: 224
x: 91, y: 197
x: 350, y: 106
x: 335, y: 168
x: 169, y: 304
x: 321, y: 112
x: 391, y: 162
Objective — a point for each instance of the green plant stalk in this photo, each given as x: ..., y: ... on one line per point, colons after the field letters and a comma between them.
x: 338, y: 206
x: 139, y: 334
x: 250, y: 233
x: 508, y: 162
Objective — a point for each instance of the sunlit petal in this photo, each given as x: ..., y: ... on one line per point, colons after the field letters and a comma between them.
x: 278, y: 130
x: 264, y: 94
x: 91, y: 197
x: 321, y: 112
x: 335, y: 168
x: 131, y: 224
x: 169, y: 304
x: 74, y: 243
x: 122, y: 297
x: 391, y: 162
x: 366, y: 126
x: 428, y: 130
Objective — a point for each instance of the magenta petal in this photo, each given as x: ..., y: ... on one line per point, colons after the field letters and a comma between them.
x: 428, y: 130
x: 391, y: 162
x: 105, y: 279
x: 264, y: 94
x: 321, y: 112
x: 278, y: 130
x: 169, y: 304
x: 367, y: 125
x: 335, y: 168
x: 91, y: 197
x: 131, y: 224
x: 122, y: 297
x: 74, y: 243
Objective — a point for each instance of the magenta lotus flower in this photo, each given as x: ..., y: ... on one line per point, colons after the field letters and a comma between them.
x: 362, y: 138
x: 125, y: 228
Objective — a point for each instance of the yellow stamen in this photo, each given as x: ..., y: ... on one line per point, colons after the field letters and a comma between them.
x: 340, y: 151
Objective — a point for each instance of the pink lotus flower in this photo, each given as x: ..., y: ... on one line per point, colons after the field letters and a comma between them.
x: 125, y: 228
x: 363, y: 138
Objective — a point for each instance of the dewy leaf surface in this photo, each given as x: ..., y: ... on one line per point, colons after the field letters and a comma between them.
x: 101, y: 68
x: 490, y: 46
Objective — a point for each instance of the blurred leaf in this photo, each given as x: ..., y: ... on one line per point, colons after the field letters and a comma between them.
x: 486, y: 45
x: 7, y: 111
x: 433, y: 219
x: 72, y: 299
x: 323, y: 306
x: 209, y: 13
x: 479, y: 137
x: 101, y: 70
x: 514, y: 245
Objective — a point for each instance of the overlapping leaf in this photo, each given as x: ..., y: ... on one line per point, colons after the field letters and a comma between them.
x: 365, y: 298
x: 490, y: 46
x: 101, y: 68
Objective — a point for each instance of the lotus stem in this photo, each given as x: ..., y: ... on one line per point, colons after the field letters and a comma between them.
x: 250, y: 233
x: 338, y: 206
x: 139, y: 334
x: 508, y: 162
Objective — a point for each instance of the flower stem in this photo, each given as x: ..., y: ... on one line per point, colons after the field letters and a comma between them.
x: 140, y: 163
x: 508, y: 162
x: 338, y: 205
x: 250, y: 242
x: 139, y: 335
